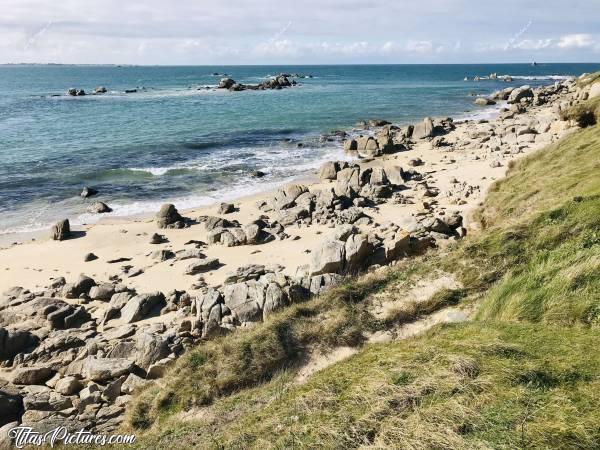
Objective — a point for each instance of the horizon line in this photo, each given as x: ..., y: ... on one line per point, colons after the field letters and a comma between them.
x: 286, y: 64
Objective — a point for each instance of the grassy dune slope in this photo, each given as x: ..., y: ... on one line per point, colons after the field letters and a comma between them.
x: 525, y: 373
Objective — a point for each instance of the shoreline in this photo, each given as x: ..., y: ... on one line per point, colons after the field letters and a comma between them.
x: 21, y: 236
x: 114, y: 305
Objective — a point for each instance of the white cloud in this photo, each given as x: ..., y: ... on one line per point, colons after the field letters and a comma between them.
x: 330, y: 31
x: 577, y: 41
x: 419, y: 46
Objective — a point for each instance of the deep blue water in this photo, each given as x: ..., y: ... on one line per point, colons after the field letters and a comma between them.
x: 172, y: 141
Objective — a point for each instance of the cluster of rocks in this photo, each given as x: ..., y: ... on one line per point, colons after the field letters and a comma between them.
x: 390, y: 138
x: 70, y: 365
x: 278, y: 82
x: 232, y: 234
x: 75, y: 92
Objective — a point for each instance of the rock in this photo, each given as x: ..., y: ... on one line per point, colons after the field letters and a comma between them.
x: 46, y: 401
x: 258, y: 174
x: 68, y: 385
x: 162, y: 255
x: 31, y: 375
x: 88, y: 192
x: 520, y: 93
x: 100, y: 90
x: 202, y: 266
x: 132, y: 383
x: 348, y: 182
x: 378, y: 176
x: 103, y: 369
x: 226, y: 83
x: 141, y: 306
x: 99, y: 208
x: 11, y: 406
x: 73, y: 92
x: 396, y: 246
x: 157, y: 239
x: 290, y: 216
x: 350, y: 145
x: 226, y: 208
x: 117, y: 302
x: 102, y: 292
x: 328, y: 171
x: 357, y: 250
x: 245, y: 273
x: 423, y: 129
x: 192, y: 253
x: 150, y: 348
x: 275, y: 299
x: 13, y: 342
x: 81, y: 286
x: 245, y: 301
x: 328, y: 258
x: 482, y: 101
x: 368, y: 145
x: 61, y: 230
x: 169, y: 217
x: 89, y: 257
x: 494, y: 164
x: 594, y: 91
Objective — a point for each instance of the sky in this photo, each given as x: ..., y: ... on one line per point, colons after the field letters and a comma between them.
x: 219, y: 32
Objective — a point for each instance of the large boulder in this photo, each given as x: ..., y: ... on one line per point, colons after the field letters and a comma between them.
x: 328, y: 258
x: 141, y: 306
x: 423, y: 129
x: 328, y: 171
x: 348, y: 182
x: 357, y: 250
x: 368, y: 145
x: 202, y: 266
x: 245, y: 300
x: 169, y: 217
x: 275, y: 299
x: 103, y: 369
x: 31, y: 375
x: 61, y: 230
x: 520, y: 93
x: 82, y: 285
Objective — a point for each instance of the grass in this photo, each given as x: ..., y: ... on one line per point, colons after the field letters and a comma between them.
x: 522, y: 374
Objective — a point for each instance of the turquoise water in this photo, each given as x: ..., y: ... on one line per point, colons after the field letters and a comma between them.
x: 175, y: 140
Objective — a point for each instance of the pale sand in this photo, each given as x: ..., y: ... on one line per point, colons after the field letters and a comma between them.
x: 34, y: 264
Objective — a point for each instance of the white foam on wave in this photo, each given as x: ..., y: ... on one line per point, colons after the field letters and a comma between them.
x: 244, y: 185
x: 485, y: 113
x: 539, y: 77
x: 156, y: 171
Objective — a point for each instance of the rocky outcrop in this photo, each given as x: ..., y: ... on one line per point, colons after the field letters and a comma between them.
x: 277, y: 82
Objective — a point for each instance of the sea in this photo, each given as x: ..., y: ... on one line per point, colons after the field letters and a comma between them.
x: 178, y: 139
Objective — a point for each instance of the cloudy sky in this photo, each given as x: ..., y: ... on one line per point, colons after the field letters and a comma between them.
x: 300, y: 31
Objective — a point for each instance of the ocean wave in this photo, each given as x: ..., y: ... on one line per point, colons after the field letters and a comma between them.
x: 538, y: 77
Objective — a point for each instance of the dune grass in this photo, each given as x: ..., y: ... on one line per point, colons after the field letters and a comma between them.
x: 523, y: 374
